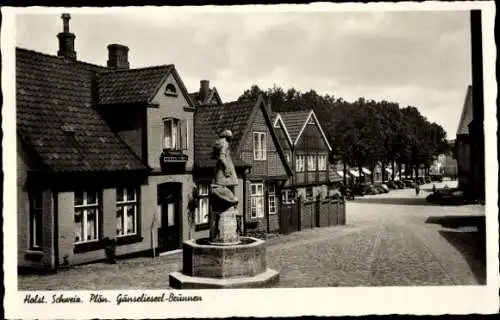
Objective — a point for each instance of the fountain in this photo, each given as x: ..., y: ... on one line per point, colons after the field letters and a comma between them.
x: 225, y: 259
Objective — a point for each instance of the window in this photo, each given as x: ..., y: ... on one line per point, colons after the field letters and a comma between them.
x: 287, y: 197
x: 126, y: 212
x: 309, y: 193
x: 170, y: 137
x: 271, y: 199
x: 311, y: 163
x: 87, y: 215
x: 257, y: 199
x: 300, y: 163
x: 36, y: 227
x: 170, y: 90
x: 322, y: 162
x: 259, y: 146
x: 175, y: 134
x: 202, y: 212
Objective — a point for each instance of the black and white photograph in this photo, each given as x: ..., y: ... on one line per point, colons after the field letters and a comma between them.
x: 182, y: 154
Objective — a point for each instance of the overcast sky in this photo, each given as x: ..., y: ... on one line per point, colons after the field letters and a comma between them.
x: 414, y: 58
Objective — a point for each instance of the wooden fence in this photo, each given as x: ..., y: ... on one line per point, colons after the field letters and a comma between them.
x: 312, y: 214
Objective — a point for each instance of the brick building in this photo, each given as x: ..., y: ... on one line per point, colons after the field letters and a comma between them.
x: 257, y: 154
x: 307, y: 149
x: 103, y: 152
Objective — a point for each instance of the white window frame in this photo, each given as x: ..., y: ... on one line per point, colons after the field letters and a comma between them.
x: 271, y: 199
x: 85, y: 208
x: 259, y: 146
x: 121, y: 205
x: 36, y: 217
x: 171, y: 142
x: 300, y: 163
x: 288, y: 158
x: 322, y: 161
x: 311, y: 163
x: 257, y: 200
x: 202, y: 216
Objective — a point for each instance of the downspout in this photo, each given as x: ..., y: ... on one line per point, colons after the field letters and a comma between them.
x: 244, y: 216
x: 56, y: 231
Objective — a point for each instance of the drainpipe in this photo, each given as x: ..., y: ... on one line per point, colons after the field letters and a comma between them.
x: 243, y: 222
x: 56, y: 231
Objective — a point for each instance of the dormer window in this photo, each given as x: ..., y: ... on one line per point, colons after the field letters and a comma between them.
x: 170, y: 90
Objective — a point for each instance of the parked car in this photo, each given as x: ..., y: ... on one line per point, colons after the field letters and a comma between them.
x: 427, y: 179
x: 420, y: 180
x: 409, y: 183
x: 400, y: 184
x: 447, y: 197
x: 437, y: 177
x: 391, y: 185
x: 369, y: 189
x: 385, y: 187
x: 380, y: 189
x: 357, y: 190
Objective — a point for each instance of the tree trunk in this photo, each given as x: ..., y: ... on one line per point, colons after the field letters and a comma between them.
x: 383, y: 171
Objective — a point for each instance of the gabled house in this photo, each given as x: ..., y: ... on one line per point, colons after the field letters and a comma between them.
x: 463, y: 142
x: 205, y: 95
x: 258, y: 157
x: 103, y: 153
x: 307, y: 149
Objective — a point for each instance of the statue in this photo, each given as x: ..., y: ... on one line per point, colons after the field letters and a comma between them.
x: 222, y: 196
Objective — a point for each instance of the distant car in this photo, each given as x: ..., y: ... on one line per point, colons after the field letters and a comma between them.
x: 369, y: 189
x: 437, y: 177
x: 420, y: 180
x: 391, y: 184
x: 357, y: 190
x: 399, y: 184
x: 427, y: 179
x: 385, y: 187
x: 409, y: 184
x: 380, y: 189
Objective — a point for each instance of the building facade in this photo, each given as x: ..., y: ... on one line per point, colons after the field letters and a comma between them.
x: 307, y: 150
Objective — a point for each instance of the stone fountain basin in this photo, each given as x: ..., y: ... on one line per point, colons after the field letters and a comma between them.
x: 246, y: 259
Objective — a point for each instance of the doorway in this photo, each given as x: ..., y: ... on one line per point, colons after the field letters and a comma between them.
x: 169, y: 212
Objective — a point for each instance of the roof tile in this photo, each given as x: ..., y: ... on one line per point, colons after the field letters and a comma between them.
x: 56, y: 117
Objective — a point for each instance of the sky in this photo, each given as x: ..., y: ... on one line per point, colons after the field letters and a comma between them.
x: 419, y: 58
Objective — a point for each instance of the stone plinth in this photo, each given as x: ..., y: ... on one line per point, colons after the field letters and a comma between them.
x: 207, y: 265
x: 227, y: 227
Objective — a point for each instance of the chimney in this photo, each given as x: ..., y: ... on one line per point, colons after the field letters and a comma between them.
x: 118, y: 56
x: 204, y: 90
x: 66, y: 40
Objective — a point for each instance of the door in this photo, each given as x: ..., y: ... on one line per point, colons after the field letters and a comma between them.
x: 169, y: 200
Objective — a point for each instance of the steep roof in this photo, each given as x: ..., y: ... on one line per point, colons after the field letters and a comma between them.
x: 131, y: 85
x: 466, y: 117
x: 211, y: 120
x: 57, y: 120
x: 236, y: 116
x: 294, y: 121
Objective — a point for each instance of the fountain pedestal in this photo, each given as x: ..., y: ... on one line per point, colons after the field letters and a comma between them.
x: 206, y: 265
x: 224, y: 260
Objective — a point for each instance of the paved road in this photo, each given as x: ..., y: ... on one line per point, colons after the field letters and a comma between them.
x: 387, y: 241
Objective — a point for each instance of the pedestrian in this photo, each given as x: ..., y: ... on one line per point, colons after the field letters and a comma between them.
x: 433, y: 188
x: 417, y: 189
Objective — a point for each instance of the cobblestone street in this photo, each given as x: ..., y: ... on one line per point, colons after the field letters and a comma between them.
x: 389, y: 240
